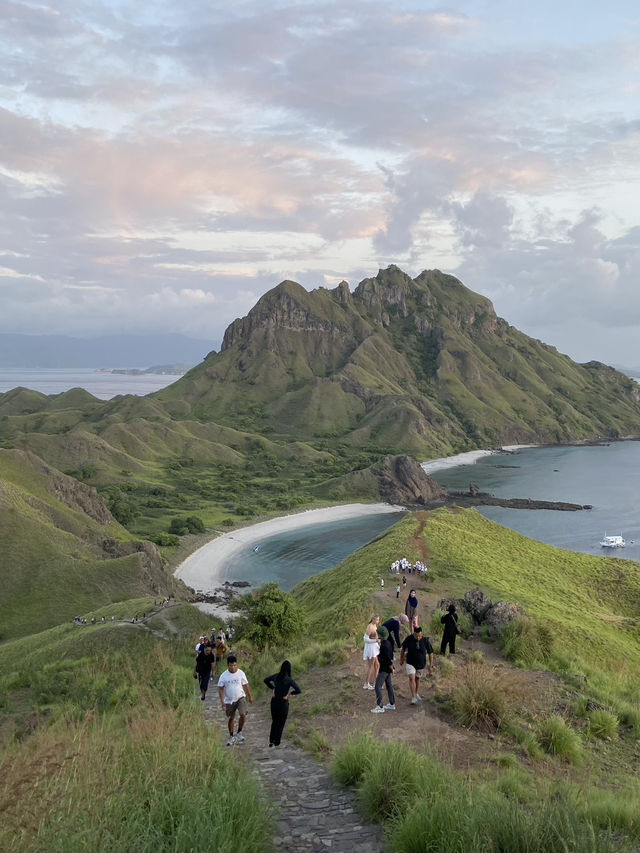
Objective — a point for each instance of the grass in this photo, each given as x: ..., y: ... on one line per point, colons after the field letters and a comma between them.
x: 481, y: 700
x: 603, y: 725
x: 559, y: 740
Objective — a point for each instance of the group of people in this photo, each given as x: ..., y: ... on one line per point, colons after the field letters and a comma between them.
x: 416, y: 651
x: 403, y: 566
x: 234, y: 690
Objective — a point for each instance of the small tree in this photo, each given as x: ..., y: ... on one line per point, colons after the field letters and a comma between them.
x: 272, y: 616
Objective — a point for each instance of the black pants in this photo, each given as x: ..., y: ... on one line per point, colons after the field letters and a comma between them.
x: 279, y: 711
x: 448, y: 640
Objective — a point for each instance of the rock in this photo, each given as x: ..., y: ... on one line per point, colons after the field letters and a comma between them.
x: 403, y: 481
x: 501, y: 614
x: 474, y: 489
x: 477, y: 603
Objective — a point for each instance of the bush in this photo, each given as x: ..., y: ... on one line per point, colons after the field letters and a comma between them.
x: 123, y: 510
x: 603, y: 725
x: 480, y: 701
x: 272, y: 616
x: 527, y: 641
x: 557, y: 738
x: 190, y: 524
x: 166, y: 539
x: 353, y: 761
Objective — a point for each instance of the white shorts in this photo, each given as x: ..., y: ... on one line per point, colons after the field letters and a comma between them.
x: 411, y: 670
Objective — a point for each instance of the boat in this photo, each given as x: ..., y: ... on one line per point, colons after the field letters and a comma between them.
x: 612, y: 542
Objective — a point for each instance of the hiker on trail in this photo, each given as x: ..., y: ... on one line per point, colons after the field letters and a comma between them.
x: 398, y: 591
x: 386, y: 668
x: 415, y: 649
x: 404, y: 581
x: 202, y: 642
x: 234, y: 690
x: 393, y: 627
x: 411, y: 608
x: 371, y: 651
x: 283, y: 686
x: 451, y: 630
x: 381, y: 583
x: 221, y: 650
x: 204, y: 666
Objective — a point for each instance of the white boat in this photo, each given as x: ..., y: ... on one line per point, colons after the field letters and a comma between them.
x: 612, y: 542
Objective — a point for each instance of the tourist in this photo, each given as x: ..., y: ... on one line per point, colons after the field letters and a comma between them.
x: 381, y: 583
x: 221, y: 650
x: 451, y: 630
x: 202, y: 642
x: 371, y: 652
x: 393, y: 627
x: 415, y: 649
x: 234, y: 690
x: 204, y: 666
x: 398, y: 591
x: 404, y: 581
x: 283, y: 686
x: 411, y: 608
x: 386, y: 668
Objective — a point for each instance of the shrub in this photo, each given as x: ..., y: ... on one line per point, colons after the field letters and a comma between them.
x: 190, y: 524
x: 557, y: 738
x: 630, y: 717
x: 480, y: 701
x: 527, y: 641
x: 272, y: 616
x: 353, y: 760
x: 166, y: 539
x: 603, y: 725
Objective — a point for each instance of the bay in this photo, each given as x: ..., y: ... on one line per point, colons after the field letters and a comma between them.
x: 104, y: 386
x: 290, y: 557
x: 605, y: 476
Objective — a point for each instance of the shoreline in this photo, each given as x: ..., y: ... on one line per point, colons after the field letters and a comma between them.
x: 202, y: 569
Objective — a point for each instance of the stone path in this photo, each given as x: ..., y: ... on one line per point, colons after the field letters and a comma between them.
x: 311, y: 811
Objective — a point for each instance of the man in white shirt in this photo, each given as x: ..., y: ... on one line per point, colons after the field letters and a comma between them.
x: 234, y: 691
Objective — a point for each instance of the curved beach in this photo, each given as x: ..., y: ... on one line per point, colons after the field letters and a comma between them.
x: 202, y: 569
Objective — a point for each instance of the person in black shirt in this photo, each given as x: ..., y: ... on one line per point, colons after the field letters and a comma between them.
x: 283, y: 686
x: 415, y: 649
x: 450, y: 622
x: 385, y: 659
x: 205, y: 662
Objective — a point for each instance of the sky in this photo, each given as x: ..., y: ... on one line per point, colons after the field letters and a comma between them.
x: 164, y: 164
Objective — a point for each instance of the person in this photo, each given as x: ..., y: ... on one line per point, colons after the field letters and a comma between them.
x: 393, y: 627
x: 283, y: 686
x: 451, y: 630
x: 221, y: 648
x: 398, y: 591
x: 234, y: 690
x: 381, y: 583
x: 404, y: 581
x: 386, y: 668
x: 204, y: 666
x: 415, y: 649
x: 371, y: 651
x: 411, y: 608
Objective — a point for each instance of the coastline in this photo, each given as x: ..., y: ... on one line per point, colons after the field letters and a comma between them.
x: 202, y: 569
x: 469, y: 457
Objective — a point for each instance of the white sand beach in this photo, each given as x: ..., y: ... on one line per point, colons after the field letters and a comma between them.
x: 468, y: 458
x: 202, y: 569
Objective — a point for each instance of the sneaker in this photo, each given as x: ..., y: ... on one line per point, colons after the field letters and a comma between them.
x: 415, y: 700
x: 377, y: 710
x: 202, y: 698
x: 368, y: 687
x: 419, y: 698
x: 272, y: 746
x: 389, y: 707
x: 239, y: 737
x: 231, y: 741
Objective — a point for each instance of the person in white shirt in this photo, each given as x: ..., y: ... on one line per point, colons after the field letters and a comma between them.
x: 234, y: 691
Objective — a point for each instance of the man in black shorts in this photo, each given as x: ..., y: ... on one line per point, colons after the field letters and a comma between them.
x: 415, y: 649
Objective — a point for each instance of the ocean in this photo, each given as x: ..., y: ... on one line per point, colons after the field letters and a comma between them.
x: 104, y: 386
x: 605, y: 476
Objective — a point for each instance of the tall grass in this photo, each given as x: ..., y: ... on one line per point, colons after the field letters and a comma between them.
x: 481, y: 700
x: 558, y: 739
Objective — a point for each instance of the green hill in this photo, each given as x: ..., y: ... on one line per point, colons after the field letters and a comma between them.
x: 63, y: 553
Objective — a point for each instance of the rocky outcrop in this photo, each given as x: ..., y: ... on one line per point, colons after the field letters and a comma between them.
x: 484, y: 612
x: 152, y: 571
x: 403, y: 481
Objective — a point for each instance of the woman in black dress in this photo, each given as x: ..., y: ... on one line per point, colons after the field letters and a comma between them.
x: 450, y: 622
x: 283, y: 686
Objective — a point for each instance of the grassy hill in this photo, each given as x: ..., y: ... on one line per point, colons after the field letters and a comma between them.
x: 63, y: 553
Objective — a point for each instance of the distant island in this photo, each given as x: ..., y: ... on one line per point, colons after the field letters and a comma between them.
x: 161, y: 369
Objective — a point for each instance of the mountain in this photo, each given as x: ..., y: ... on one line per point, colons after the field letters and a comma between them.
x: 420, y: 366
x: 106, y: 351
x: 308, y: 396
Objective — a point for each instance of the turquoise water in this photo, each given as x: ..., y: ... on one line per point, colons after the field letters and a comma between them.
x: 608, y: 477
x: 104, y: 386
x: 289, y: 558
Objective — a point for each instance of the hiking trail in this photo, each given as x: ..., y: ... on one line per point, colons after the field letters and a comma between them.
x: 311, y: 811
